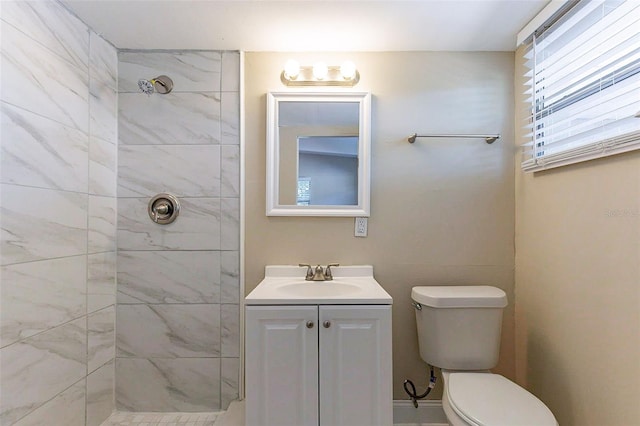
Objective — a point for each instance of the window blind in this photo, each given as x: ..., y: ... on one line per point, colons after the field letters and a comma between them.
x: 583, y: 85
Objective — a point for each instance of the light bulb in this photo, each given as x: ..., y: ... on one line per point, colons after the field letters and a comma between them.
x: 320, y: 70
x: 348, y: 70
x: 291, y: 69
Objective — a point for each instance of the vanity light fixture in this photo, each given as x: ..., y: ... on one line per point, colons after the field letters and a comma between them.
x: 320, y: 74
x: 291, y: 69
x: 320, y: 70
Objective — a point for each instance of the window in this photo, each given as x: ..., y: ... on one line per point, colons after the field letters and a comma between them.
x: 304, y: 191
x: 583, y: 75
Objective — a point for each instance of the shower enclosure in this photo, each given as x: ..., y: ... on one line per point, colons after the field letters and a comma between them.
x: 177, y: 344
x: 83, y: 152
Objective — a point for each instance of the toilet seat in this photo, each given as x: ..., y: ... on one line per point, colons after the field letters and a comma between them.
x: 485, y: 399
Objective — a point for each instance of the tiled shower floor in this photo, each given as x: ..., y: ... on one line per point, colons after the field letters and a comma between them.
x: 234, y: 416
x: 162, y: 419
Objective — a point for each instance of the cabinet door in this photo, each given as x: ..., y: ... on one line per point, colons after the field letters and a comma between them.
x: 281, y: 365
x: 355, y: 366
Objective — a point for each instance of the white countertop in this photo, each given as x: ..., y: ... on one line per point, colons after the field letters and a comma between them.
x: 286, y: 285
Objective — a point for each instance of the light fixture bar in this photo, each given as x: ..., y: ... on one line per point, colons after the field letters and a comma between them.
x: 333, y: 77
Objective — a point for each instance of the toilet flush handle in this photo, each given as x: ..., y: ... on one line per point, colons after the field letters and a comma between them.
x: 416, y: 305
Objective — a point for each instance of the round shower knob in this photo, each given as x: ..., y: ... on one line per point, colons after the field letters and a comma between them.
x: 164, y: 208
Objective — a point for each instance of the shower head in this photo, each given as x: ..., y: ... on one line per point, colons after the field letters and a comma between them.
x: 412, y: 138
x: 161, y: 84
x: 146, y: 86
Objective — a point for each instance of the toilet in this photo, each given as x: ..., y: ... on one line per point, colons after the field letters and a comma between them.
x: 459, y: 331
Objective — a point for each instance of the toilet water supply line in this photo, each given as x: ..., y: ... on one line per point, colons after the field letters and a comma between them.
x: 412, y: 392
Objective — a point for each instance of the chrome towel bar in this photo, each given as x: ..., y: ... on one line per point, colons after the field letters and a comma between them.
x: 487, y: 138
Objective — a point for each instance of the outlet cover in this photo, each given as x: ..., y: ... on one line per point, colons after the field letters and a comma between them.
x: 361, y: 227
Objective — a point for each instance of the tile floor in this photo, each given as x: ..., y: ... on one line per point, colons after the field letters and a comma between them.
x: 162, y: 419
x: 234, y: 416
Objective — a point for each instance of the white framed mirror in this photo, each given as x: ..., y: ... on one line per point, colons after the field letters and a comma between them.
x: 318, y: 153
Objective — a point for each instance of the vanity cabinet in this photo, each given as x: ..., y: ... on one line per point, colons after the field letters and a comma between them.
x: 327, y: 365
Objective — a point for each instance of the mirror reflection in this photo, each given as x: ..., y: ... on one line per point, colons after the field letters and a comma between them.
x: 327, y: 170
x: 318, y: 153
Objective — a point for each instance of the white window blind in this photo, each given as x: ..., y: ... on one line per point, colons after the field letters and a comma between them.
x: 583, y: 78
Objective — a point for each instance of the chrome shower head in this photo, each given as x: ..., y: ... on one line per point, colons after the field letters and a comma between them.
x: 146, y: 86
x: 161, y: 84
x: 412, y: 138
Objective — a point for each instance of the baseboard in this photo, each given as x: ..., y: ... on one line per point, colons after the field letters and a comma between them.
x: 428, y: 413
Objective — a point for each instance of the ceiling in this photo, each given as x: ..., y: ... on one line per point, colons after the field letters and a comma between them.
x: 309, y: 25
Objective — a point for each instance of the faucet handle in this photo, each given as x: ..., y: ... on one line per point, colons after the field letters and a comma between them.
x: 327, y: 272
x: 309, y: 275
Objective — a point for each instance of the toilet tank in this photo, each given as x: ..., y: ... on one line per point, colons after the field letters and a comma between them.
x: 459, y: 327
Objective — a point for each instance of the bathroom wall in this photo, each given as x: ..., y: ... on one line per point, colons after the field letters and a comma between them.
x: 577, y: 275
x: 442, y: 211
x: 178, y: 284
x: 58, y: 156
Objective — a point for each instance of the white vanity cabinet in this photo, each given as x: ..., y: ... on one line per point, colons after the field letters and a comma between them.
x: 327, y: 365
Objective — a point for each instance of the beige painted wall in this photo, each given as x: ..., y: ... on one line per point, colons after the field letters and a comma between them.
x: 578, y: 287
x: 442, y: 211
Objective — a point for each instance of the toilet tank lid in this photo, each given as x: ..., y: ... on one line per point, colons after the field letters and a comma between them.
x: 480, y: 296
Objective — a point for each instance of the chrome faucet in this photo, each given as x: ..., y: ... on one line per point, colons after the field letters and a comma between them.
x: 318, y: 274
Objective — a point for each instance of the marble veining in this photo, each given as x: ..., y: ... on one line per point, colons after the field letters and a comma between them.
x: 168, y: 277
x: 172, y: 330
x: 230, y: 116
x: 102, y: 224
x: 174, y: 118
x: 101, y: 280
x: 40, y: 152
x: 103, y: 111
x: 230, y: 224
x: 230, y: 330
x: 229, y: 368
x: 103, y: 61
x: 49, y: 362
x: 184, y: 170
x: 230, y: 277
x: 100, y: 386
x: 31, y: 232
x: 181, y: 384
x: 67, y: 408
x: 168, y: 331
x: 197, y: 227
x: 230, y: 174
x: 102, y: 167
x: 37, y: 80
x: 41, y: 295
x: 230, y: 78
x: 100, y: 338
x: 190, y: 70
x: 59, y: 136
x: 52, y: 26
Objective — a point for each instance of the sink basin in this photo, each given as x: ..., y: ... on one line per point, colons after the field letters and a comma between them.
x: 285, y: 285
x: 319, y: 289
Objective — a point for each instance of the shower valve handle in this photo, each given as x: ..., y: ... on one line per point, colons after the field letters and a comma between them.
x: 164, y: 208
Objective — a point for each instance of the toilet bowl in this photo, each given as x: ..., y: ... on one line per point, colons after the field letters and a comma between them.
x: 486, y: 399
x: 459, y: 331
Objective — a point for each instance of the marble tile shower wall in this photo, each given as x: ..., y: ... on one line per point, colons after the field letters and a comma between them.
x: 58, y: 208
x: 178, y: 284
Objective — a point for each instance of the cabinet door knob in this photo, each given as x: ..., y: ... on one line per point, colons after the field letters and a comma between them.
x: 309, y: 324
x: 326, y: 324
